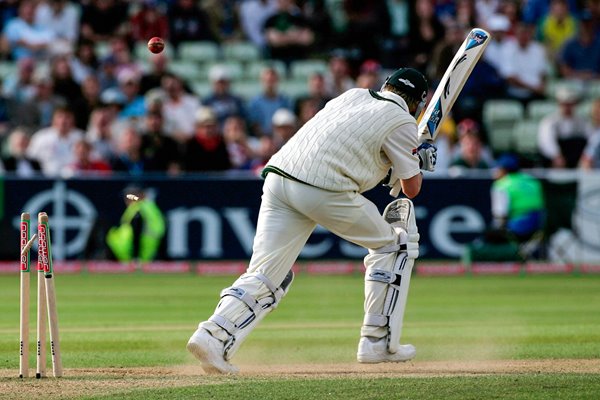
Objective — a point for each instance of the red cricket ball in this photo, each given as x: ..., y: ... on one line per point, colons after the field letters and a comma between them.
x: 156, y: 45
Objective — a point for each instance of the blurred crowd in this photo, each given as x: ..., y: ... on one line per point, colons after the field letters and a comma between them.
x: 82, y: 100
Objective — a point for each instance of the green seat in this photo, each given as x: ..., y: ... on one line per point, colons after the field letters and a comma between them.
x: 302, y: 69
x: 525, y: 136
x: 499, y: 118
x: 141, y: 52
x: 201, y: 88
x: 7, y: 68
x: 294, y: 88
x: 247, y: 90
x: 202, y: 51
x: 234, y: 69
x: 538, y: 109
x: 240, y: 51
x: 187, y: 70
x: 254, y: 68
x: 584, y: 109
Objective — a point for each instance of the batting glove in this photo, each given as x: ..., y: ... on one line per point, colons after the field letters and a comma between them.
x: 427, y: 154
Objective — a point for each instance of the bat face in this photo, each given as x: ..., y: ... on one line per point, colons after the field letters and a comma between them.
x: 452, y: 83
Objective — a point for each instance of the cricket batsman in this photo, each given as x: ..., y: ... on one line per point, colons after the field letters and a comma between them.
x: 317, y: 178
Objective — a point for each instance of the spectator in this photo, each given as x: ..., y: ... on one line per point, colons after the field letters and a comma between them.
x: 284, y: 127
x: 25, y: 39
x: 366, y: 24
x: 120, y: 50
x: 188, y: 22
x: 179, y: 109
x: 129, y: 158
x: 395, y: 44
x: 370, y: 75
x: 288, y: 34
x: 61, y: 17
x: 498, y: 25
x: 425, y: 32
x: 524, y: 66
x: 84, y: 63
x: 83, y: 163
x: 262, y: 106
x: 38, y: 111
x: 557, y: 27
x: 253, y: 14
x: 100, y: 134
x: 485, y: 10
x: 158, y: 69
x: 444, y: 52
x: 64, y: 84
x: 240, y: 145
x: 107, y: 73
x: 149, y: 21
x: 103, y: 19
x: 580, y: 56
x: 223, y: 19
x: 52, y: 147
x: 465, y: 14
x: 562, y: 135
x: 338, y: 77
x: 17, y: 160
x: 20, y: 87
x: 206, y: 150
x: 129, y: 84
x: 315, y: 100
x: 89, y: 100
x: 590, y: 159
x: 471, y: 154
x: 161, y: 150
x: 224, y: 103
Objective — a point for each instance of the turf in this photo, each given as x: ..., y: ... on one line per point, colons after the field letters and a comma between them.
x: 144, y: 321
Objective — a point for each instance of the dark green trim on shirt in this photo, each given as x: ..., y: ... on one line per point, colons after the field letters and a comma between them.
x: 378, y: 97
x: 275, y: 170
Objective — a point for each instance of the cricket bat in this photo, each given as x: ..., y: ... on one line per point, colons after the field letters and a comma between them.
x: 452, y: 83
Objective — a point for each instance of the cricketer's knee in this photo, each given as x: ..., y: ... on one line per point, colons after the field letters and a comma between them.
x: 242, y: 306
x: 387, y: 277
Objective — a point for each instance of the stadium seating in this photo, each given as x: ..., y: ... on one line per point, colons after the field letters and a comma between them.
x: 499, y: 118
x: 302, y: 69
x: 584, y: 109
x: 525, y: 137
x: 204, y: 52
x: 538, y: 109
x: 188, y: 70
x: 247, y: 89
x: 254, y: 69
x: 240, y: 51
x: 294, y: 88
x: 7, y: 68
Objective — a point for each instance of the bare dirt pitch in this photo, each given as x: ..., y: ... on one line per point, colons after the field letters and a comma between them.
x: 105, y: 381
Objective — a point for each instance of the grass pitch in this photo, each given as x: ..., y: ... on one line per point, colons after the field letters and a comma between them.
x: 123, y: 336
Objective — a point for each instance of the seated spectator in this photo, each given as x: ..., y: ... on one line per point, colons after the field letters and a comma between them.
x: 89, y: 100
x: 253, y: 14
x: 338, y: 77
x: 120, y: 50
x: 161, y: 150
x: 61, y: 17
x: 19, y: 87
x: 149, y: 21
x: 52, y: 147
x: 284, y: 126
x: 84, y: 62
x: 188, y: 22
x: 265, y: 151
x: 426, y: 30
x: 562, y: 135
x: 100, y: 133
x: 129, y: 157
x: 223, y: 19
x: 525, y: 66
x: 471, y: 153
x: 129, y: 84
x: 590, y: 159
x: 64, y: 84
x: 84, y: 163
x: 103, y: 19
x: 17, y: 160
x: 222, y: 101
x: 107, y: 73
x: 179, y: 109
x: 288, y: 34
x: 158, y: 69
x: 369, y: 76
x: 498, y: 26
x: 580, y: 56
x: 240, y: 145
x: 262, y: 106
x: 206, y: 150
x: 25, y: 39
x: 444, y: 52
x: 558, y: 26
x: 307, y: 106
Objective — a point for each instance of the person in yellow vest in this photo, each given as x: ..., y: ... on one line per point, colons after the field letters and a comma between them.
x: 140, y: 233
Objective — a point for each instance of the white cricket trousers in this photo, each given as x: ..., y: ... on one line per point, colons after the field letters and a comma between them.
x: 291, y: 210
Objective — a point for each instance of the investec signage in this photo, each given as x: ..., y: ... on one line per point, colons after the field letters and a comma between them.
x: 215, y: 219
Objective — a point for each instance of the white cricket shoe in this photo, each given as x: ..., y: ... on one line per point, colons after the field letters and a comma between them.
x: 372, y: 351
x: 209, y: 350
